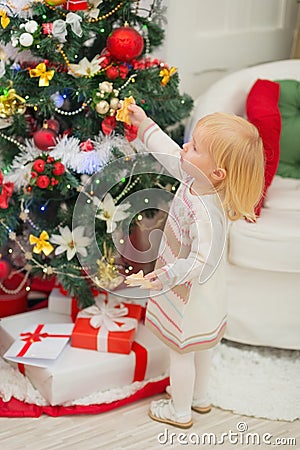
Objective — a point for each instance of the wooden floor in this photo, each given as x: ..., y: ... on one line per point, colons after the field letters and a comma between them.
x: 130, y: 428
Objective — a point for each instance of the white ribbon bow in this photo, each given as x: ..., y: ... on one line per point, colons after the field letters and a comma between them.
x: 106, y: 315
x: 59, y: 30
x: 108, y: 318
x: 74, y: 21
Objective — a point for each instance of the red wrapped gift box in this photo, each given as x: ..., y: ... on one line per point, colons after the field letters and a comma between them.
x: 76, y: 5
x: 85, y: 336
x: 106, y: 328
x: 13, y: 303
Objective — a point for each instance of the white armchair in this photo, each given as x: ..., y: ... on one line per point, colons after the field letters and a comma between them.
x: 263, y: 259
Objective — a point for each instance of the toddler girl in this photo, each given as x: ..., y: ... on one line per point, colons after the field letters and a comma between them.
x: 221, y: 172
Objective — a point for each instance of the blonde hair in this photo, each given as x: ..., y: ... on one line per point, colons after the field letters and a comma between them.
x: 237, y: 147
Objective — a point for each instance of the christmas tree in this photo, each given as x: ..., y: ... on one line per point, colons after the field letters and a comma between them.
x: 66, y: 66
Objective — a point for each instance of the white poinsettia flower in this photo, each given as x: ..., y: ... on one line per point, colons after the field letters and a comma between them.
x: 110, y: 212
x: 71, y: 241
x: 86, y: 67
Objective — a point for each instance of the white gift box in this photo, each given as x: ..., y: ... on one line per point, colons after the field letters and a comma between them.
x: 59, y: 303
x: 78, y: 372
x: 40, y: 344
x: 62, y: 304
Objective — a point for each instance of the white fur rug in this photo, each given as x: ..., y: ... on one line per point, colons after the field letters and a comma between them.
x: 253, y: 381
x: 256, y: 381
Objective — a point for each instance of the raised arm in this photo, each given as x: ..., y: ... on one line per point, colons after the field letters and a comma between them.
x: 165, y: 150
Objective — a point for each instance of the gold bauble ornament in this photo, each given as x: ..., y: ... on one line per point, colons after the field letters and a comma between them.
x: 55, y: 2
x: 106, y: 87
x: 102, y: 107
x: 114, y: 103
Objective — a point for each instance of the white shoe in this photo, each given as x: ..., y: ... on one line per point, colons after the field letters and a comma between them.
x: 163, y: 411
x: 201, y: 407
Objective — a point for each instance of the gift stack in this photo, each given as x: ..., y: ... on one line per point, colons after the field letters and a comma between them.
x: 107, y: 347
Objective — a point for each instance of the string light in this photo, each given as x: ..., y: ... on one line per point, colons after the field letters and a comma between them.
x: 130, y: 79
x: 13, y: 141
x: 127, y: 189
x: 19, y: 288
x: 137, y: 7
x: 73, y: 113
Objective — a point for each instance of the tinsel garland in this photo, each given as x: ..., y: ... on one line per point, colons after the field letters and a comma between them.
x: 68, y: 150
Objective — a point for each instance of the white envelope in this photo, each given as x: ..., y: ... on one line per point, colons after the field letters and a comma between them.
x: 40, y: 344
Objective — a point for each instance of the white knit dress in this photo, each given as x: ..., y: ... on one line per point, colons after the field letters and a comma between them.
x: 189, y: 314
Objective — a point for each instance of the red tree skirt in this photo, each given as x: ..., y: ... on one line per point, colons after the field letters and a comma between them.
x: 17, y: 408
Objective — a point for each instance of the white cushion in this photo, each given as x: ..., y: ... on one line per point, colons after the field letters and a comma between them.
x: 284, y: 193
x: 273, y: 243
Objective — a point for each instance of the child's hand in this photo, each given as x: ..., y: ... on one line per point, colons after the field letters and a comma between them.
x: 155, y: 282
x: 136, y: 114
x: 149, y: 281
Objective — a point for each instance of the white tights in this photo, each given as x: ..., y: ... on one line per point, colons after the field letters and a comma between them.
x: 189, y: 375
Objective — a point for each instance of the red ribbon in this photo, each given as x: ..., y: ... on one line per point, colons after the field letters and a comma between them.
x: 30, y: 338
x: 141, y: 359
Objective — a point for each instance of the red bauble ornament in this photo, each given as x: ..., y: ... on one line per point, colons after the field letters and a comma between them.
x: 5, y: 269
x: 125, y: 44
x: 53, y: 125
x: 112, y: 72
x: 45, y: 138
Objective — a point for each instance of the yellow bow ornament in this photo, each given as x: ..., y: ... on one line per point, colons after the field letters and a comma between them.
x: 41, y: 71
x: 41, y: 244
x: 166, y: 74
x: 11, y: 103
x: 4, y: 19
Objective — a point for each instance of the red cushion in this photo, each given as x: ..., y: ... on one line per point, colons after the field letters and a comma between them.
x: 263, y: 111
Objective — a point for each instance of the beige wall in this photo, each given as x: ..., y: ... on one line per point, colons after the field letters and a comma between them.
x: 209, y: 38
